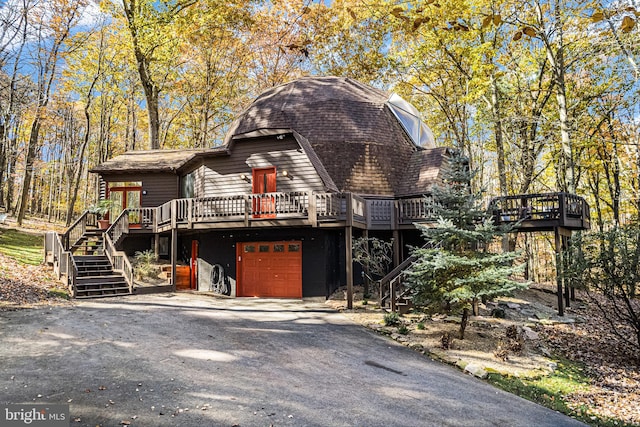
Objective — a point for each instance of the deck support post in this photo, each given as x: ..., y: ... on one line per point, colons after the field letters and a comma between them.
x: 559, y: 277
x: 174, y: 256
x: 348, y: 248
x: 397, y: 248
x: 561, y: 244
x: 156, y: 245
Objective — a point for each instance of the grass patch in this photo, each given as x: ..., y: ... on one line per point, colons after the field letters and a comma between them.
x: 25, y: 248
x: 550, y: 391
x: 59, y: 293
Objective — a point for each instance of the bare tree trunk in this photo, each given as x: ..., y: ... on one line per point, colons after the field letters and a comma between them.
x: 28, y: 169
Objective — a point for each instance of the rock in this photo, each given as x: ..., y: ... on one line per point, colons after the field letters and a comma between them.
x: 530, y: 334
x: 498, y: 313
x: 476, y: 370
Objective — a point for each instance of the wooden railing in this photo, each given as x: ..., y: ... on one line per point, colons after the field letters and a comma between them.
x: 564, y: 209
x: 76, y: 231
x: 61, y: 260
x: 415, y: 209
x: 119, y: 227
x: 314, y: 207
x: 119, y: 261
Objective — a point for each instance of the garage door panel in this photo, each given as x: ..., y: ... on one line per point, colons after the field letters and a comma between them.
x: 270, y: 269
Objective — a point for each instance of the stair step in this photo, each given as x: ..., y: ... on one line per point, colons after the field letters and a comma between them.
x: 91, y: 258
x: 102, y: 294
x: 102, y: 287
x: 88, y: 280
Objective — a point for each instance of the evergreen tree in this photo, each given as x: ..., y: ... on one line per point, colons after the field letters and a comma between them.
x: 456, y: 267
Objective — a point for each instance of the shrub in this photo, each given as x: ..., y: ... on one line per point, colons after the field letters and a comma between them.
x: 403, y: 330
x: 391, y: 319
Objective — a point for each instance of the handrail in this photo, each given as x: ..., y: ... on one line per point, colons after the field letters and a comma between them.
x: 119, y: 261
x: 61, y: 264
x: 119, y: 227
x: 75, y: 231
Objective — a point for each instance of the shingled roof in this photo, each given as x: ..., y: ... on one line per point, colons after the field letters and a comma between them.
x: 153, y: 160
x: 350, y: 129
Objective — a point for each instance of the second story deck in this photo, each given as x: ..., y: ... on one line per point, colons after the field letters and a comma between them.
x: 284, y: 209
x: 542, y: 212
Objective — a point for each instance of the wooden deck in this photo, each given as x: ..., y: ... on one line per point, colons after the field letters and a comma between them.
x: 279, y: 210
x: 542, y: 212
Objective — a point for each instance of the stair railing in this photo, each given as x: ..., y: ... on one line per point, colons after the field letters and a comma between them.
x: 119, y: 261
x: 390, y: 285
x: 119, y: 227
x: 75, y: 232
x: 73, y: 274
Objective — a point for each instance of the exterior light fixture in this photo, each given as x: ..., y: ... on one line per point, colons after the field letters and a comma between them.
x: 286, y: 174
x: 245, y: 178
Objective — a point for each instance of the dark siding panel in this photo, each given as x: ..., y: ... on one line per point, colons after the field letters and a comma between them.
x: 160, y: 187
x: 221, y: 176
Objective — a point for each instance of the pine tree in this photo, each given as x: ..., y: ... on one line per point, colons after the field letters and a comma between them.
x: 456, y: 267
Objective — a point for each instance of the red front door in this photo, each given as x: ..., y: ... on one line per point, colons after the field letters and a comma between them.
x: 264, y: 181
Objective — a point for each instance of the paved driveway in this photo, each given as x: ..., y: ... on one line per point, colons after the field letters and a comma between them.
x: 190, y: 360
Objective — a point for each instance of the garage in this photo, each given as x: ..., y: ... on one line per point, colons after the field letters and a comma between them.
x: 270, y: 269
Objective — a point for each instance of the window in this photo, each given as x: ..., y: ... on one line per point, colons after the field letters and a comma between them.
x: 278, y: 248
x: 294, y: 247
x: 410, y: 120
x: 249, y: 248
x: 264, y: 248
x: 187, y: 184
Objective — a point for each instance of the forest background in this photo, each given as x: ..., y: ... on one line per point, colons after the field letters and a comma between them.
x: 540, y: 95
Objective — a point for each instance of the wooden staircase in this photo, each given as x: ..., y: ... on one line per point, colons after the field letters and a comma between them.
x: 90, y: 243
x: 394, y: 296
x: 96, y: 279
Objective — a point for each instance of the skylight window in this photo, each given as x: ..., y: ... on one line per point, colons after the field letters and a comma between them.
x: 410, y: 120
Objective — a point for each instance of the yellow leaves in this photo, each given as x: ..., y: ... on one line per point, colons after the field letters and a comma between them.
x: 527, y: 31
x: 491, y: 19
x: 628, y: 23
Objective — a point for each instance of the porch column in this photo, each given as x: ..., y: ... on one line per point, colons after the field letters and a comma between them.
x: 156, y: 246
x: 174, y: 256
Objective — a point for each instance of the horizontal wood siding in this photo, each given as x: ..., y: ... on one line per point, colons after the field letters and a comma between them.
x: 220, y: 176
x: 160, y: 187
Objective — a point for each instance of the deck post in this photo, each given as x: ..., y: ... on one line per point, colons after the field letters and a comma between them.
x: 559, y: 272
x: 156, y: 245
x: 396, y: 248
x: 348, y: 248
x: 312, y: 210
x: 174, y: 257
x: 247, y: 207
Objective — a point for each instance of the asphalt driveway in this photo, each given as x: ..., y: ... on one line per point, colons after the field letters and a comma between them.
x: 192, y: 360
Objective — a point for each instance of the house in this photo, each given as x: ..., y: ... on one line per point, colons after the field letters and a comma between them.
x: 272, y: 212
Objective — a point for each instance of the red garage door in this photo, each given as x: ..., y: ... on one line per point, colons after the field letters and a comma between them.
x: 270, y: 269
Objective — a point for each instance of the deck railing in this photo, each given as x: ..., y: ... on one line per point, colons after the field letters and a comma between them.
x: 563, y: 208
x: 415, y: 209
